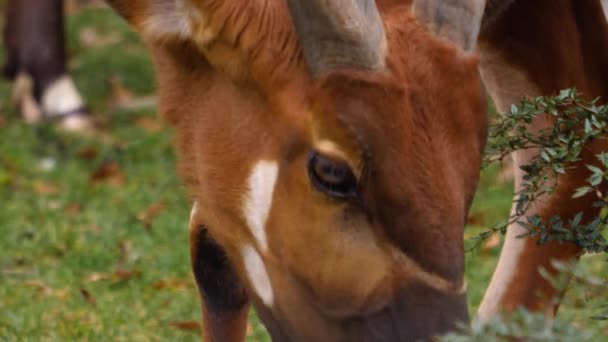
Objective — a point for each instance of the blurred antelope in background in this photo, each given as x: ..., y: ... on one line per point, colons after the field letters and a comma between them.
x: 332, y: 150
x: 36, y: 60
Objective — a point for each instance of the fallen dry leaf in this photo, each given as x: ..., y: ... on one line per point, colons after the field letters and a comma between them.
x: 125, y: 252
x: 90, y: 37
x: 41, y: 286
x: 124, y: 275
x: 95, y: 277
x: 172, y: 284
x: 87, y: 296
x: 73, y: 209
x: 119, y: 275
x: 45, y: 188
x: 491, y: 243
x: 476, y: 219
x: 108, y: 172
x: 87, y: 153
x: 148, y: 215
x: 186, y: 325
x: 150, y: 125
x: 120, y: 93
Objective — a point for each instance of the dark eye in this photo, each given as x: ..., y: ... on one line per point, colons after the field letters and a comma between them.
x: 332, y: 177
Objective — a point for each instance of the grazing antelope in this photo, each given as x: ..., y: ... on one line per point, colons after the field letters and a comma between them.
x: 35, y: 42
x: 332, y: 149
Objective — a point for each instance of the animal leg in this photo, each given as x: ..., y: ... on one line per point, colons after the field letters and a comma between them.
x: 517, y: 281
x: 35, y: 40
x: 556, y: 48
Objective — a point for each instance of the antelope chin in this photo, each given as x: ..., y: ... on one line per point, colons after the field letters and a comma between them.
x: 420, y: 313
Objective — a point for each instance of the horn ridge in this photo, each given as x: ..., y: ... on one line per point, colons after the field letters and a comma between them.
x: 458, y: 21
x: 339, y: 34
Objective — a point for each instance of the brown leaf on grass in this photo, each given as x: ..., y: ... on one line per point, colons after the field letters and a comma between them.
x: 172, y: 284
x: 124, y: 275
x: 119, y: 275
x: 73, y: 209
x: 87, y: 296
x: 108, y: 172
x: 120, y: 93
x: 41, y: 286
x: 148, y: 215
x: 125, y: 252
x: 491, y: 243
x: 476, y: 219
x: 90, y: 37
x: 45, y: 188
x: 186, y: 325
x: 95, y: 277
x: 150, y: 125
x: 87, y: 153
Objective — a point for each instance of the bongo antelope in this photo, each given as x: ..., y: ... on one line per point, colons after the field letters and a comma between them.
x: 332, y: 150
x: 36, y: 60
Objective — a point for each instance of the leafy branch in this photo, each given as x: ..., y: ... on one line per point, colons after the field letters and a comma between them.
x: 576, y: 123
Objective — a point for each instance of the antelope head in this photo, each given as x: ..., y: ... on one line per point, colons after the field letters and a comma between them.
x: 333, y: 150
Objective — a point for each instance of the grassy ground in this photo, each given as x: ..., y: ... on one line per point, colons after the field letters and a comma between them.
x: 94, y: 230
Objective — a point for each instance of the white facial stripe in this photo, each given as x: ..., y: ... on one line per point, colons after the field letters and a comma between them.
x: 258, y: 200
x: 258, y: 277
x: 61, y: 97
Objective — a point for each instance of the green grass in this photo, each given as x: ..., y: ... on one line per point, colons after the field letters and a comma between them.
x: 77, y: 260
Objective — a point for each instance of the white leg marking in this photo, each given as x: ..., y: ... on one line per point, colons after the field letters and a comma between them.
x: 605, y: 7
x: 61, y: 97
x: 258, y: 200
x: 258, y: 277
x: 507, y: 264
x: 505, y: 270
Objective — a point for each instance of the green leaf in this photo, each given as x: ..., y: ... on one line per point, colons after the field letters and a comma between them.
x: 580, y: 192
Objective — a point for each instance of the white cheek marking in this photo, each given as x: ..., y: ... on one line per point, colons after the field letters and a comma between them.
x: 258, y: 277
x: 258, y: 200
x: 61, y: 97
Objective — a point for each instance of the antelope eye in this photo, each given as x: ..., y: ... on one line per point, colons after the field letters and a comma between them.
x: 331, y: 176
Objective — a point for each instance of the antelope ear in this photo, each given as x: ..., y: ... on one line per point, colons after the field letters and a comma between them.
x: 158, y: 19
x: 458, y: 21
